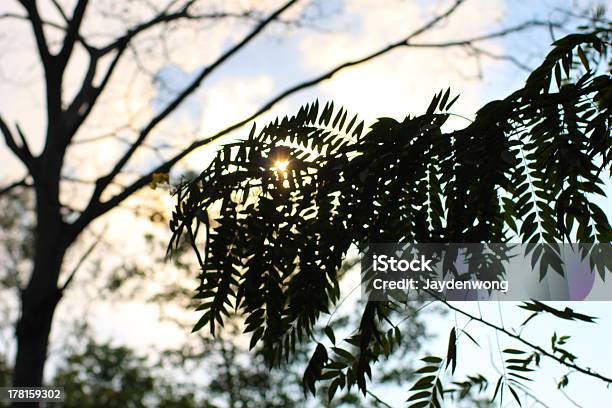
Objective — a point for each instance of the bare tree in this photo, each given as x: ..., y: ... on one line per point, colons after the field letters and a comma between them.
x: 58, y: 224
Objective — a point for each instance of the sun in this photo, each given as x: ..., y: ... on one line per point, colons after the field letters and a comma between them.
x: 281, y: 165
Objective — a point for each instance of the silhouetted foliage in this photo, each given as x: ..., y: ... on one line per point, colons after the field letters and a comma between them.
x: 294, y: 197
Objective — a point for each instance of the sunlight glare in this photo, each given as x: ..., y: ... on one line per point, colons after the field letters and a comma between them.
x: 281, y: 165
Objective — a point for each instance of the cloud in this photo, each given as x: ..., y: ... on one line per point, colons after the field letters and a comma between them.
x: 404, y: 80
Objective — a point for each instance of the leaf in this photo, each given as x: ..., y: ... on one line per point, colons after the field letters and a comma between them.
x: 469, y: 336
x: 420, y: 404
x: 583, y: 59
x: 314, y: 368
x: 202, y: 322
x: 515, y: 395
x: 329, y: 332
x: 432, y: 359
x: 257, y: 334
x: 452, y: 102
x: 333, y: 387
x: 427, y: 369
x: 497, y: 387
x: 513, y: 351
x: 433, y: 104
x: 423, y: 383
x: 451, y: 355
x: 343, y: 353
x: 444, y: 99
x: 419, y: 395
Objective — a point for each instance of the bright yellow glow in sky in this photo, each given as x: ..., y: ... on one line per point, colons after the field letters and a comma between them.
x: 281, y: 165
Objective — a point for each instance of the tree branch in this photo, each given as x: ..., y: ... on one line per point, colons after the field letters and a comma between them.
x: 61, y: 11
x: 22, y: 152
x: 20, y: 183
x: 586, y: 371
x: 51, y: 24
x: 490, y: 36
x: 24, y: 143
x: 163, y: 17
x: 378, y: 399
x: 82, y: 260
x: 85, y: 100
x: 103, y: 182
x: 39, y: 33
x: 72, y: 32
x: 477, y: 51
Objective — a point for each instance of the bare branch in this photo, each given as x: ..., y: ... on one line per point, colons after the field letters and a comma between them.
x: 14, y: 16
x: 477, y: 51
x: 51, y: 24
x: 84, y: 101
x: 20, y: 183
x: 61, y: 11
x: 37, y: 27
x: 489, y: 36
x: 574, y: 403
x: 72, y: 32
x: 24, y: 143
x: 76, y: 180
x: 22, y: 152
x: 378, y: 399
x: 164, y: 17
x: 82, y: 259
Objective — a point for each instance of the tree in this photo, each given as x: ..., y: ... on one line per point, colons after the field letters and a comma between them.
x: 64, y: 46
x: 297, y: 195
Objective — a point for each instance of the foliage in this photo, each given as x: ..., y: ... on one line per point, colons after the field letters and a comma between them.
x: 106, y: 375
x: 16, y: 235
x: 296, y: 196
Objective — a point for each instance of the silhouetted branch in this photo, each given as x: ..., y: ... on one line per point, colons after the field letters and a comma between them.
x: 37, y: 27
x: 104, y: 181
x: 167, y: 17
x: 72, y: 32
x: 82, y: 259
x: 22, y: 152
x: 563, y: 361
x: 83, y: 103
x: 574, y: 403
x: 61, y: 11
x: 20, y: 183
x: 378, y: 399
x: 489, y: 36
x: 24, y: 143
x: 481, y: 51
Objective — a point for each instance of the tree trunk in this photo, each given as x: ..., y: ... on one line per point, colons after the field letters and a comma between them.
x: 37, y: 309
x: 41, y: 295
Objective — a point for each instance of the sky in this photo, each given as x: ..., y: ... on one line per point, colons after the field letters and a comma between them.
x: 395, y: 85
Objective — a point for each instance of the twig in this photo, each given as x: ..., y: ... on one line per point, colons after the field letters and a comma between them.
x: 83, y: 259
x: 377, y: 399
x: 586, y: 371
x: 19, y: 183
